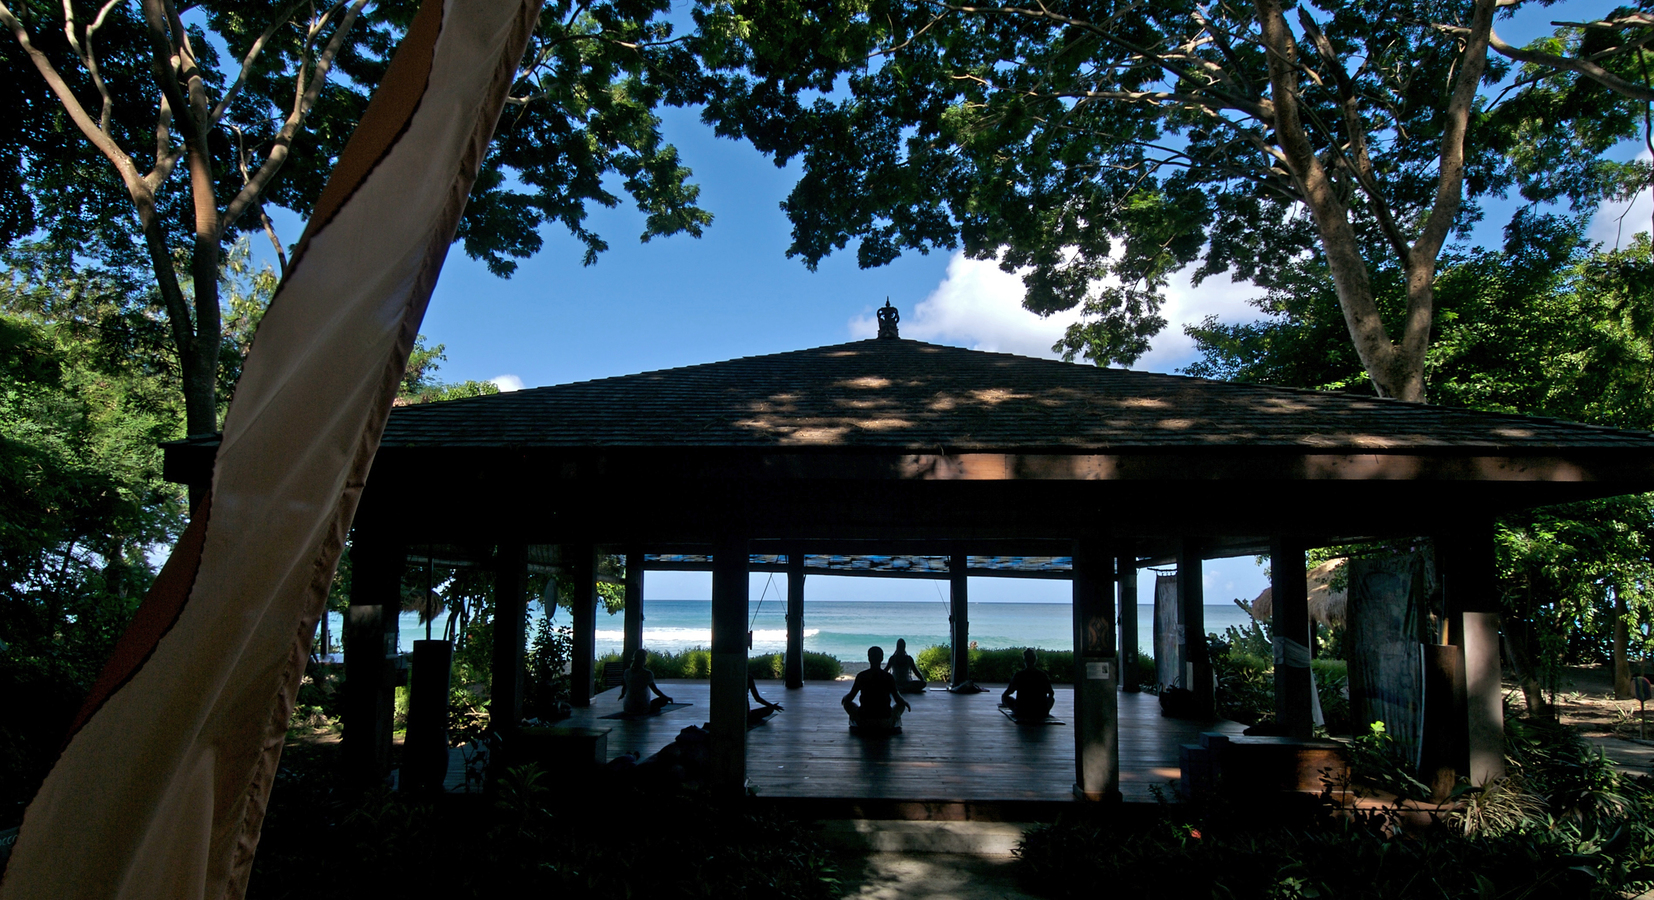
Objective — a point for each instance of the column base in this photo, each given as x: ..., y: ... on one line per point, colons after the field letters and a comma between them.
x: 1110, y: 797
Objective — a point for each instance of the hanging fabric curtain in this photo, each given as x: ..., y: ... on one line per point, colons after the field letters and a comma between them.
x: 161, y: 789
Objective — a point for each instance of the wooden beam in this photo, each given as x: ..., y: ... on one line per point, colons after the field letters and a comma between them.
x: 1126, y: 579
x: 1470, y: 594
x: 370, y: 652
x: 505, y: 703
x: 632, y: 636
x: 582, y: 569
x: 1096, y: 674
x: 1191, y: 593
x: 729, y: 665
x: 959, y: 618
x: 1294, y: 681
x: 793, y: 663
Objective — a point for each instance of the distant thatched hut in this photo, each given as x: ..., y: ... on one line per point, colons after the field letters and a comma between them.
x: 1326, y: 605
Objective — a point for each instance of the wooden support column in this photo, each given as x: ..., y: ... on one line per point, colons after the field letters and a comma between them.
x: 729, y: 664
x: 370, y: 653
x: 1191, y: 596
x: 793, y: 664
x: 632, y: 637
x: 959, y: 618
x: 1096, y: 675
x: 1125, y: 567
x: 1289, y: 593
x: 505, y: 703
x: 581, y: 564
x: 1470, y: 593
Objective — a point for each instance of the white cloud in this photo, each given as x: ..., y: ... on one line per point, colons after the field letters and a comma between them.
x: 1616, y: 221
x: 1186, y: 304
x: 978, y: 305
x: 507, y: 383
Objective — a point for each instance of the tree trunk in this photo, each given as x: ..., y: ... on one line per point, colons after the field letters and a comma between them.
x: 1622, y: 663
x: 1519, y: 651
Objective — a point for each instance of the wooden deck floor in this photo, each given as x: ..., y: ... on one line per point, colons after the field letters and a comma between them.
x: 952, y: 747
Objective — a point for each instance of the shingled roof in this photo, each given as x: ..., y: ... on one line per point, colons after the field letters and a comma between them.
x: 893, y: 394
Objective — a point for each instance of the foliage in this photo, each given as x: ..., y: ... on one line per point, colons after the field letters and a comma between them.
x: 419, y: 384
x: 1218, y: 852
x: 319, y: 702
x: 817, y: 666
x: 696, y: 663
x: 997, y: 666
x: 549, y: 656
x: 1379, y: 760
x: 191, y: 123
x: 84, y: 402
x: 576, y: 837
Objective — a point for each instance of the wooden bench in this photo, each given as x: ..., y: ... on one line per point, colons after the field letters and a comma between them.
x: 614, y: 675
x: 1259, y: 764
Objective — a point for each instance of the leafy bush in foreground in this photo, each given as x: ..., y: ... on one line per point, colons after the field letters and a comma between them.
x: 540, y: 836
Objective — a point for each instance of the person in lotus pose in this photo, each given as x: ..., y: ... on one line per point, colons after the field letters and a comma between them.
x: 635, y: 686
x: 909, y: 680
x: 1029, y: 695
x: 881, y: 704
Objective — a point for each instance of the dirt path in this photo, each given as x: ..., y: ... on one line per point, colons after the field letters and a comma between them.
x: 1585, y: 700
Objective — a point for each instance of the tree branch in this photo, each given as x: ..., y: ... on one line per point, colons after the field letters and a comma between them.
x: 1571, y: 64
x: 252, y: 57
x: 302, y: 105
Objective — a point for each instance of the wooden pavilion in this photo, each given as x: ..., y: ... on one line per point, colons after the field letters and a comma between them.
x: 952, y: 460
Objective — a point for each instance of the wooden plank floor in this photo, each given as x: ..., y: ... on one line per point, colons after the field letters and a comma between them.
x: 952, y: 746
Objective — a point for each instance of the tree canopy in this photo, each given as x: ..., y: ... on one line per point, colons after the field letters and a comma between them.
x: 1098, y: 148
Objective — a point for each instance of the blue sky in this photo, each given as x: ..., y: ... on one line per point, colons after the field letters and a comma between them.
x: 681, y: 301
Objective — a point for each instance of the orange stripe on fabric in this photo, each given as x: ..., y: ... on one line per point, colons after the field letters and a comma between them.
x: 156, y: 615
x: 393, y: 106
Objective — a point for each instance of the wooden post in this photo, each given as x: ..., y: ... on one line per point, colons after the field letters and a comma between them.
x: 632, y: 638
x: 1191, y: 594
x: 582, y: 568
x: 1126, y: 577
x: 1470, y: 594
x: 1096, y: 675
x: 370, y: 653
x: 505, y: 703
x: 793, y: 664
x: 959, y: 619
x: 729, y: 664
x: 1289, y: 592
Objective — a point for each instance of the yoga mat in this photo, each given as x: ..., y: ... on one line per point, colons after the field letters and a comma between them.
x: 1048, y: 720
x: 665, y: 709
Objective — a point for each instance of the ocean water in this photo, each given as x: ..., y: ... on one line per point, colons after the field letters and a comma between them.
x: 845, y: 629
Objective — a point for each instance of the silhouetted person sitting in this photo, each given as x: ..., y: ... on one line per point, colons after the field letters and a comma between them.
x: 878, y: 696
x: 635, y: 686
x: 909, y: 680
x: 765, y: 708
x: 1029, y: 695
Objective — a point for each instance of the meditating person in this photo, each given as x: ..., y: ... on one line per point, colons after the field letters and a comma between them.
x: 635, y: 686
x: 909, y: 680
x: 765, y: 708
x: 1029, y: 695
x: 881, y: 704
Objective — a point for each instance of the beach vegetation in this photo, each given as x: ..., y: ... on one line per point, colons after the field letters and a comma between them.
x: 696, y: 662
x: 997, y: 665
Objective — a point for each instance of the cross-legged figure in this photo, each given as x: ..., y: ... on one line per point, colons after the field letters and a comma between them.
x: 1029, y: 695
x: 881, y: 704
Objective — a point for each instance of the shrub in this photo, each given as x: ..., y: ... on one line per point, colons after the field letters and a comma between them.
x: 697, y: 663
x: 936, y: 663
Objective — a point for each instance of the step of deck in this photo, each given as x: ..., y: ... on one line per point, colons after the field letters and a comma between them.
x: 993, y: 839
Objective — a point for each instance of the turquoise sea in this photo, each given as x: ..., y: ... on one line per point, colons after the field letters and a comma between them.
x: 845, y: 629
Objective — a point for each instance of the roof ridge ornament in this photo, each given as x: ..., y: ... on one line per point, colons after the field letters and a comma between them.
x: 888, y: 317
